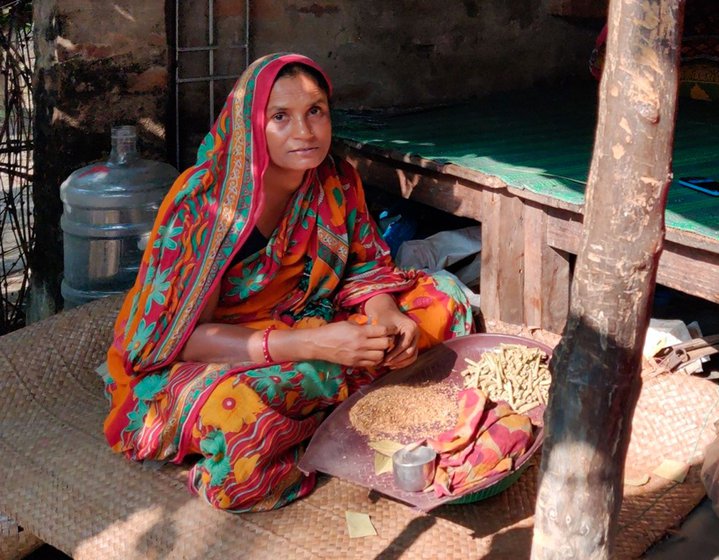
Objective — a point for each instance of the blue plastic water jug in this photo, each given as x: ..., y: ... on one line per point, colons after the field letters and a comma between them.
x: 108, y: 212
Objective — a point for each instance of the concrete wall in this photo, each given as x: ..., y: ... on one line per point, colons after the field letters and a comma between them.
x: 107, y: 63
x: 98, y: 64
x: 414, y: 52
x: 402, y: 53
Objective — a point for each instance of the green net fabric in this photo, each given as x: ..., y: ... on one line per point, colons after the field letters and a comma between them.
x: 541, y: 140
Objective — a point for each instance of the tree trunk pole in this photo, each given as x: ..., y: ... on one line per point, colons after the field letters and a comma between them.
x: 598, y: 362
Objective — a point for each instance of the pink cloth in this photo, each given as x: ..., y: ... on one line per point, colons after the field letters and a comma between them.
x: 487, y: 439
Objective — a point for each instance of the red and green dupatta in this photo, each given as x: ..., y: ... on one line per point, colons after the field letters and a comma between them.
x: 203, y: 221
x: 247, y: 422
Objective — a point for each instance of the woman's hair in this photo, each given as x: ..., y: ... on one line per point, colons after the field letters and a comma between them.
x: 295, y: 68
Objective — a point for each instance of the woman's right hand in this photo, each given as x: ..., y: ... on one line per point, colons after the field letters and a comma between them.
x: 349, y: 344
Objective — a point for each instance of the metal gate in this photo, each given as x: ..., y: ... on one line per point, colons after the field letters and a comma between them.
x: 16, y: 163
x: 211, y: 51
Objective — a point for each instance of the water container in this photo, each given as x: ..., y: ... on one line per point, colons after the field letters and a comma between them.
x: 108, y: 212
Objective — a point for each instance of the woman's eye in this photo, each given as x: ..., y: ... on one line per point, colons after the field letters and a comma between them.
x: 315, y: 111
x: 278, y: 117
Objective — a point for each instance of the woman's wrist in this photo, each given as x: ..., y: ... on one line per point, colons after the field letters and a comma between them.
x: 289, y: 345
x: 378, y: 304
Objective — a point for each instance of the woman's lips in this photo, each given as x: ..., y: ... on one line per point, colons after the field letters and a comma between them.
x: 302, y: 151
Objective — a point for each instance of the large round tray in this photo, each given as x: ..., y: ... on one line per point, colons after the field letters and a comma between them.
x: 339, y: 450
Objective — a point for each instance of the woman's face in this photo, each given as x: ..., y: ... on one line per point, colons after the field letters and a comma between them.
x: 298, y: 129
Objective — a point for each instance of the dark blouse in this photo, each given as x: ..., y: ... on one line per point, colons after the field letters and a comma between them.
x: 254, y: 243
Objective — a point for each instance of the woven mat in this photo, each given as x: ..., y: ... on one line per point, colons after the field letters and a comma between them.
x: 15, y: 542
x: 62, y: 483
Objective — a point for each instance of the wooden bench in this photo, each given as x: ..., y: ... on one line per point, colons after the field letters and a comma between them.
x: 517, y: 163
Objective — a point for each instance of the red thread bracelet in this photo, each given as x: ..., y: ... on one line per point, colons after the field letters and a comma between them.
x: 266, y: 345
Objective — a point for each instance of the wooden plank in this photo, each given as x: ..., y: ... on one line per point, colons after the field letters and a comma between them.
x: 546, y: 275
x: 495, y: 182
x: 556, y: 282
x: 341, y: 145
x: 564, y: 230
x: 357, y: 151
x: 690, y: 239
x: 490, y: 254
x: 535, y: 238
x: 689, y: 270
x: 442, y: 192
x: 510, y: 259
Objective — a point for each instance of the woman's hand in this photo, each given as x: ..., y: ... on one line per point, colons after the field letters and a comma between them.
x: 382, y: 310
x: 390, y: 339
x: 404, y: 351
x: 350, y: 344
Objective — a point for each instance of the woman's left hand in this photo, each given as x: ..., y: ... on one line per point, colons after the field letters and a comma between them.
x: 383, y: 310
x: 405, y: 341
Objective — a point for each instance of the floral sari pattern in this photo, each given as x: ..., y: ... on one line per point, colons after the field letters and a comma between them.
x: 245, y: 424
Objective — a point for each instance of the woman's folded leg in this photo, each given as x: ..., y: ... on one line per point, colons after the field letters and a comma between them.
x: 440, y: 308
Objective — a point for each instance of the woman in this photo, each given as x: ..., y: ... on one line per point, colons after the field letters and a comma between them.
x: 264, y: 298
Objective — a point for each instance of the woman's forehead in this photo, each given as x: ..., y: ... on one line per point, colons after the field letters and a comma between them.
x: 296, y: 89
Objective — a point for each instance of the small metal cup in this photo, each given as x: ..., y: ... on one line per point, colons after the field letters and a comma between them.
x: 413, y: 467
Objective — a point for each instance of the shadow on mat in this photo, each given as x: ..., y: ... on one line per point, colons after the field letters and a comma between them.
x: 509, y: 543
x: 404, y: 540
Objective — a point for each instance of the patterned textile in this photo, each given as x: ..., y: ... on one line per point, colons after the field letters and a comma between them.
x: 486, y: 441
x: 699, y: 68
x: 247, y: 422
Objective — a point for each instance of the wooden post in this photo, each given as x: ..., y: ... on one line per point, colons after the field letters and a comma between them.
x: 597, y: 364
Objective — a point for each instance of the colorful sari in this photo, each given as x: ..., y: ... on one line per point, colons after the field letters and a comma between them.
x: 245, y: 425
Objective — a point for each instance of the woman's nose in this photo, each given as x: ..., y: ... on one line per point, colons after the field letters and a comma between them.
x: 302, y: 128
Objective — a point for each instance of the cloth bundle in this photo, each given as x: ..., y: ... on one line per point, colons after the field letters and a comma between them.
x: 487, y: 439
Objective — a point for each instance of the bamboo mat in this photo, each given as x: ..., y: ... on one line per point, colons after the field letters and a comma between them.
x: 15, y: 542
x: 60, y: 481
x: 539, y: 140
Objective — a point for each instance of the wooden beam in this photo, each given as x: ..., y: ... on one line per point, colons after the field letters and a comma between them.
x: 449, y: 194
x: 546, y: 274
x: 510, y: 262
x: 503, y: 253
x: 690, y: 270
x: 489, y: 288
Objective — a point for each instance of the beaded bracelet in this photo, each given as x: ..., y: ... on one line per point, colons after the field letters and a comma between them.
x: 265, y: 343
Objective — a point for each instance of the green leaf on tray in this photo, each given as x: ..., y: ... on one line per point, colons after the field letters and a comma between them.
x: 385, y: 446
x: 382, y: 464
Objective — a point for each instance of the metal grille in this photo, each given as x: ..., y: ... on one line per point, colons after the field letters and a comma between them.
x: 16, y: 164
x: 187, y: 45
